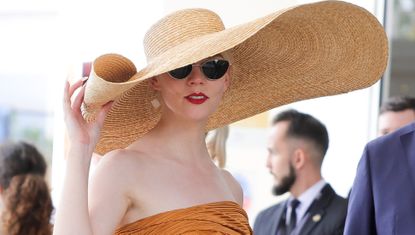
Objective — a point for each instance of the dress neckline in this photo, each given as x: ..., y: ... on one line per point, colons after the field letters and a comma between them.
x: 208, y: 204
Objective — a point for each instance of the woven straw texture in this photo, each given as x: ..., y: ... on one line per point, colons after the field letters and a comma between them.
x: 303, y: 52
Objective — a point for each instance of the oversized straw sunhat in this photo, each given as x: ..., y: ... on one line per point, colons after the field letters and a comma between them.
x: 307, y: 51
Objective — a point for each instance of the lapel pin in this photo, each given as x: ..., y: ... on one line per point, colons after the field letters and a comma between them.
x: 316, y: 218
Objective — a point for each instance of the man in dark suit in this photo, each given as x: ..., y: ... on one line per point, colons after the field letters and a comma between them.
x: 297, y: 145
x: 382, y: 199
x: 395, y: 113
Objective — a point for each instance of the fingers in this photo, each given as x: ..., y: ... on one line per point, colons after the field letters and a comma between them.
x: 69, y: 91
x: 72, y: 107
x: 66, y: 99
x: 78, y: 100
x: 75, y: 86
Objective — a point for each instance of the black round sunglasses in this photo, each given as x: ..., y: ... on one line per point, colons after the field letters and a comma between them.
x: 212, y: 69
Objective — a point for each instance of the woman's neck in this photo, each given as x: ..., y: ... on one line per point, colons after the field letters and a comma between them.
x: 182, y: 138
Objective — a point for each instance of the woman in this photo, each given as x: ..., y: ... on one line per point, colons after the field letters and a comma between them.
x: 156, y: 175
x: 27, y: 206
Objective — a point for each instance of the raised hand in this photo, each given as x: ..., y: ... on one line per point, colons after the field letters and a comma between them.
x: 81, y: 134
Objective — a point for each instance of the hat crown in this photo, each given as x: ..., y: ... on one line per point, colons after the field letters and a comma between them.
x: 179, y: 27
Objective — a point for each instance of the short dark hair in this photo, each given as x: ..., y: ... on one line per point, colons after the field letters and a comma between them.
x: 305, y: 126
x: 397, y: 104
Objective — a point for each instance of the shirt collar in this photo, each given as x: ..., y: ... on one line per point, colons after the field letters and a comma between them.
x: 307, y: 197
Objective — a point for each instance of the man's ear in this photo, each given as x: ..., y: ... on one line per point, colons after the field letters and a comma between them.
x: 155, y: 83
x: 299, y: 158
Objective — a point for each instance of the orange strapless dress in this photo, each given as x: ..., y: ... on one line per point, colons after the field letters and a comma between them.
x: 224, y: 217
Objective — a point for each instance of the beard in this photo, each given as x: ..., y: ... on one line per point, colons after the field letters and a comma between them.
x: 286, y: 183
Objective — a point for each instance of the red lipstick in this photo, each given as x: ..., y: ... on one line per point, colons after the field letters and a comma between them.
x: 197, y: 98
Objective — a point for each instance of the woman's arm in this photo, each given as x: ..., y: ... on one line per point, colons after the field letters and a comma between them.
x: 72, y: 215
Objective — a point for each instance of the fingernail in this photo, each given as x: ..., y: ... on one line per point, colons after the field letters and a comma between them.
x: 84, y: 79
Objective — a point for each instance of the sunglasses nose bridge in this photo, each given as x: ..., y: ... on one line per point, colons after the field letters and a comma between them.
x: 196, y: 76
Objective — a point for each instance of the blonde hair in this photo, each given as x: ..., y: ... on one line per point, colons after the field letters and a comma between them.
x: 216, y: 145
x: 227, y: 55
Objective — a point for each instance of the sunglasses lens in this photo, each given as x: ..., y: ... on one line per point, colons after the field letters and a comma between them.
x: 215, y: 69
x: 181, y: 73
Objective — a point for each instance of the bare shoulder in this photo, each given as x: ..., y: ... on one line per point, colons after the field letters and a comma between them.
x: 118, y: 158
x: 120, y: 166
x: 233, y: 185
x: 112, y: 171
x: 113, y: 181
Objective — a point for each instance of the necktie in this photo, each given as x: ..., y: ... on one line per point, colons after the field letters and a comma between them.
x: 293, y: 216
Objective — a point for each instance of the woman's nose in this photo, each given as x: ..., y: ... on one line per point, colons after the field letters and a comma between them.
x: 196, y: 77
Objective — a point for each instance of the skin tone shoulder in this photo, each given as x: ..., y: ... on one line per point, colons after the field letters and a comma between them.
x: 167, y: 169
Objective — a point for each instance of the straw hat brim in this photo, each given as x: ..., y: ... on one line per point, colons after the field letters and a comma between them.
x: 303, y: 52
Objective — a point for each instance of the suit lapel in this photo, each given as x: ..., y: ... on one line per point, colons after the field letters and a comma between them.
x: 279, y: 214
x: 408, y: 142
x: 317, y: 209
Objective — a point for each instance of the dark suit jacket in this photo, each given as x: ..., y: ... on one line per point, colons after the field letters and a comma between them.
x: 325, y: 216
x: 382, y: 200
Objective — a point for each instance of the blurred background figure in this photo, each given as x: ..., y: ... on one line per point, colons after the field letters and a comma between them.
x: 216, y: 145
x: 26, y: 205
x: 382, y: 199
x: 297, y: 146
x: 395, y: 113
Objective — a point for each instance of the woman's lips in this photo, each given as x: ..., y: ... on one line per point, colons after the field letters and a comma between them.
x: 197, y: 98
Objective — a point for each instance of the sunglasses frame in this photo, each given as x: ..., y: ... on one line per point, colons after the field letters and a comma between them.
x: 201, y: 70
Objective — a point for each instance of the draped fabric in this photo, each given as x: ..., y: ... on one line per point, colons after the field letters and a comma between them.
x: 223, y: 217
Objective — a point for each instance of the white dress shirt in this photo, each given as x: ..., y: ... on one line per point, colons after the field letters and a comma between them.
x: 305, y: 199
